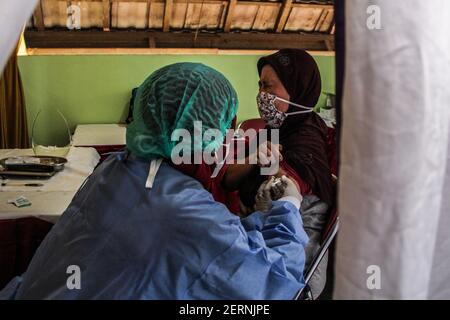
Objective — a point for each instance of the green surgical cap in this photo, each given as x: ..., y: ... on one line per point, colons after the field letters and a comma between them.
x: 173, y: 97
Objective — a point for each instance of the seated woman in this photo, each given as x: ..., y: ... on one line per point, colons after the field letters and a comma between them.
x: 289, y: 87
x: 141, y: 229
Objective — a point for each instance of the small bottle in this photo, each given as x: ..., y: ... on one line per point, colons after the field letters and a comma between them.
x: 329, y: 102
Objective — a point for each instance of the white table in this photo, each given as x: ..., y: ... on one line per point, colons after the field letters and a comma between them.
x: 49, y: 201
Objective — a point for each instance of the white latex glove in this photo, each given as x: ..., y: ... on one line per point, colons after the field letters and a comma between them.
x: 291, y: 192
x: 263, y: 200
x: 278, y: 188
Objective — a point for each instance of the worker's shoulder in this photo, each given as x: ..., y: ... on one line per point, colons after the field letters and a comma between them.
x: 177, y: 182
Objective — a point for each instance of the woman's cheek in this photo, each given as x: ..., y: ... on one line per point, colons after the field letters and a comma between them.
x: 281, y: 106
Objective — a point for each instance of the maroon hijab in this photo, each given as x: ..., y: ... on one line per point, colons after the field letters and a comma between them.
x: 303, y: 136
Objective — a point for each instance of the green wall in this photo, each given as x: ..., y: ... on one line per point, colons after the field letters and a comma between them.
x: 96, y: 89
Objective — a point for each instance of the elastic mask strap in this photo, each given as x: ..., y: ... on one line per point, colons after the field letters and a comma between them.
x: 295, y: 104
x: 298, y: 112
x: 154, y: 167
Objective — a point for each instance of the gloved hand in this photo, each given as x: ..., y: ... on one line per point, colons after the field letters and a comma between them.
x: 291, y: 192
x: 278, y: 188
x: 263, y: 200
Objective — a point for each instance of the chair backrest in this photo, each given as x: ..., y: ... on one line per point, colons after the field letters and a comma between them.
x: 333, y: 212
x: 328, y: 240
x: 332, y: 150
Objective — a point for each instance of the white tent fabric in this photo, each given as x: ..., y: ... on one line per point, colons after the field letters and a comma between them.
x: 13, y: 16
x: 394, y: 189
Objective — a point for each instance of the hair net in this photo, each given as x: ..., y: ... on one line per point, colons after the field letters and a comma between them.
x: 173, y: 97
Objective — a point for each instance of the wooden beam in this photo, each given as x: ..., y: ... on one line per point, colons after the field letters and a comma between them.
x: 140, y: 39
x: 230, y: 15
x: 39, y: 17
x: 167, y: 15
x: 106, y: 15
x: 154, y: 51
x: 283, y: 15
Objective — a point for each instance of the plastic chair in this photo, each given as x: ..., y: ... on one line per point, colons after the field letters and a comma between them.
x: 329, y: 235
x: 305, y: 292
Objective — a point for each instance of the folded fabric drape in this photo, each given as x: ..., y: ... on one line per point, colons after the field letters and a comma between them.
x: 13, y: 120
x: 394, y: 173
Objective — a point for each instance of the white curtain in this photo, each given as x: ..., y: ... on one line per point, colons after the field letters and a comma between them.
x: 13, y: 16
x: 394, y: 197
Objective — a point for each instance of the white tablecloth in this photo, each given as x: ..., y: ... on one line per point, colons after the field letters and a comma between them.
x: 49, y: 201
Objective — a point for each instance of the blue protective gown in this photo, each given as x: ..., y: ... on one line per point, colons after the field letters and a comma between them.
x: 169, y: 242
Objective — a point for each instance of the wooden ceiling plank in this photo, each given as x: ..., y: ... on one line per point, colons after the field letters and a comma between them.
x: 321, y: 20
x: 185, y: 16
x: 219, y: 17
x: 147, y: 14
x: 167, y: 15
x: 230, y: 15
x: 254, y: 19
x: 106, y: 15
x: 39, y: 17
x: 283, y: 15
x: 328, y: 22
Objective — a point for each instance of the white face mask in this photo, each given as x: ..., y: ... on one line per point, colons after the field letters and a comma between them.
x: 269, y: 112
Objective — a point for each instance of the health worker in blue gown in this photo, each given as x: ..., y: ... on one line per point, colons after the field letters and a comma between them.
x: 141, y: 229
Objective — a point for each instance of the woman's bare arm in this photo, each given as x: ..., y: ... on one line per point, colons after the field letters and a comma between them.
x: 235, y: 174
